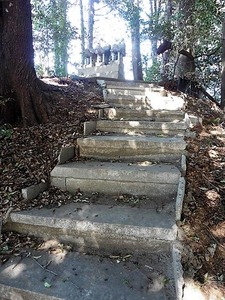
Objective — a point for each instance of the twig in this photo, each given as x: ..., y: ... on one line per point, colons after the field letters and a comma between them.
x: 22, y: 256
x: 210, y: 182
x: 213, y: 237
x: 44, y: 267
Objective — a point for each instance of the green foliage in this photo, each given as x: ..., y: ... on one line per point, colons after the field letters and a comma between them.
x: 52, y: 34
x: 153, y: 73
x: 128, y: 10
x: 200, y: 28
x: 5, y: 131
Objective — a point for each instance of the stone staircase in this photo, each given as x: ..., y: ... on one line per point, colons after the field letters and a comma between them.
x: 135, y: 151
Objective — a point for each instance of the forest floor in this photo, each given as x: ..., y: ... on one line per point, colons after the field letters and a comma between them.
x: 27, y: 155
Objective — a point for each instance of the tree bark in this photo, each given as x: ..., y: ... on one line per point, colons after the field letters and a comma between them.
x: 17, y: 74
x: 186, y: 9
x: 135, y: 38
x: 82, y: 33
x: 186, y: 65
x: 91, y: 14
x: 222, y: 103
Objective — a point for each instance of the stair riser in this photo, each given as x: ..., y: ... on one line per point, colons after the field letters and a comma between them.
x: 141, y: 127
x: 127, y: 99
x: 117, y: 114
x: 115, y: 187
x: 134, y: 157
x: 123, y: 92
x: 140, y: 173
x: 138, y: 150
x: 164, y: 105
x: 86, y: 236
x: 131, y: 85
x: 142, y: 131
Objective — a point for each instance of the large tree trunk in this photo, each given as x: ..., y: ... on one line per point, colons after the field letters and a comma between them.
x: 186, y: 66
x: 155, y: 10
x: 222, y: 104
x: 59, y: 9
x: 91, y: 15
x: 135, y: 38
x: 82, y: 33
x: 17, y: 74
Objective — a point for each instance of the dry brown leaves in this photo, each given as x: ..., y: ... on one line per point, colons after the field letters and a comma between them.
x: 28, y: 156
x: 204, y: 206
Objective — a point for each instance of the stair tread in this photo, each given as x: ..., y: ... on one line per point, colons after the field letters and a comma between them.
x: 133, y: 123
x: 83, y: 276
x: 118, y: 171
x: 99, y: 213
x: 113, y: 221
x: 143, y: 138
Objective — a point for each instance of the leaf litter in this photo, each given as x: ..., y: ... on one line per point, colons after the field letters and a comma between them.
x: 27, y: 156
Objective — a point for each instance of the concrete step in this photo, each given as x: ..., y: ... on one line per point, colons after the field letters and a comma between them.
x: 132, y: 147
x: 78, y: 276
x: 104, y: 228
x: 155, y: 180
x: 153, y: 100
x: 128, y: 84
x: 127, y: 99
x: 167, y: 102
x: 125, y: 91
x: 143, y: 114
x: 142, y: 105
x: 142, y: 127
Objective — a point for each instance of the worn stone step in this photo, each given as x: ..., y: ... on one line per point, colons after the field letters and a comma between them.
x: 132, y: 147
x: 142, y: 127
x: 78, y: 276
x: 156, y: 180
x: 127, y: 99
x: 137, y: 106
x: 143, y: 114
x: 125, y: 91
x: 165, y: 104
x: 167, y: 101
x: 100, y: 227
x: 128, y: 84
x: 153, y: 100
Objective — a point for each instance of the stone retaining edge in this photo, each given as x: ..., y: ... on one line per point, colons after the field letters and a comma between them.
x: 33, y: 191
x: 178, y: 271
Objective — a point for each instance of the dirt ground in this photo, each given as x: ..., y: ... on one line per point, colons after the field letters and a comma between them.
x: 27, y: 155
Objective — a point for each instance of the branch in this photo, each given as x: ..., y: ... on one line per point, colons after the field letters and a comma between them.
x: 213, y: 237
x: 44, y: 267
x: 203, y: 90
x: 186, y: 53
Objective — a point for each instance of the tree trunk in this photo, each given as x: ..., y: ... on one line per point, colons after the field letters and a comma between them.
x: 59, y: 8
x: 154, y: 43
x: 82, y: 33
x: 155, y: 11
x: 166, y: 56
x: 91, y: 14
x: 186, y: 9
x: 135, y: 38
x: 222, y: 103
x: 17, y: 74
x: 186, y: 65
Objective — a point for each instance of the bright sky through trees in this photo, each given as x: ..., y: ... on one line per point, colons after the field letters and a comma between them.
x: 109, y: 28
